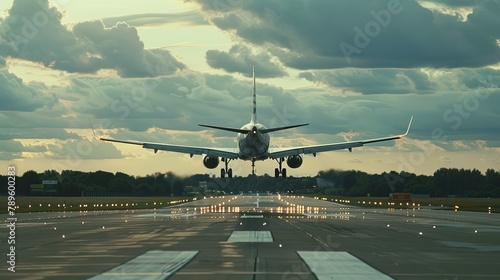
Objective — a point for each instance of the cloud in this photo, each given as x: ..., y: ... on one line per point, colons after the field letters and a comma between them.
x: 157, y: 19
x: 82, y: 149
x: 33, y: 31
x: 240, y: 59
x: 120, y: 47
x: 404, y: 81
x: 75, y: 149
x: 3, y: 62
x: 372, y: 81
x: 457, y: 3
x: 337, y: 34
x: 37, y: 133
x: 17, y: 147
x: 19, y: 96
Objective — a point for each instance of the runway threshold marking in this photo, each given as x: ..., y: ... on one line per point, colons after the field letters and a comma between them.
x: 150, y: 265
x: 250, y: 236
x: 339, y: 265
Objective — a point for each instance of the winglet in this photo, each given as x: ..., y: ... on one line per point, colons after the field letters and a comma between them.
x: 408, y: 129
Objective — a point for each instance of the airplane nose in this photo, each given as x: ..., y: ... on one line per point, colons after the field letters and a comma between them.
x: 254, y: 130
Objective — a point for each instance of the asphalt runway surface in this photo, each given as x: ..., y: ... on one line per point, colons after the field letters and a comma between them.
x: 256, y: 237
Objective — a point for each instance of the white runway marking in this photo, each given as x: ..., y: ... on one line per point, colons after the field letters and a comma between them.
x: 329, y: 215
x: 165, y: 215
x: 251, y: 216
x: 250, y: 236
x: 150, y: 265
x: 339, y: 265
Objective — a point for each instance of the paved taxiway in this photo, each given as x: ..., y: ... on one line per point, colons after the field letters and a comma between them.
x: 292, y: 238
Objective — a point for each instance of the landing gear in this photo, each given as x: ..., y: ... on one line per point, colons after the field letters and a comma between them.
x: 253, y: 166
x: 280, y: 170
x: 226, y: 171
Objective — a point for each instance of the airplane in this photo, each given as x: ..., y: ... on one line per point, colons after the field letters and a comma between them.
x: 253, y: 144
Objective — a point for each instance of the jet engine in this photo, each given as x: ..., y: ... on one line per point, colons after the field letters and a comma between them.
x: 211, y: 162
x: 294, y: 161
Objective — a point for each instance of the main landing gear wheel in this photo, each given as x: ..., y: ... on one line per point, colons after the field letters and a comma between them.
x: 226, y: 171
x: 229, y: 173
x: 280, y: 170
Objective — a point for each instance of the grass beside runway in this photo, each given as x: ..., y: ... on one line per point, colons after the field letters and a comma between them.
x: 26, y: 204
x: 487, y: 205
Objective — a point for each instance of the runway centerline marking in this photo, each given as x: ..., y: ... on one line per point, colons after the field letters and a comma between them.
x: 251, y: 216
x: 165, y: 215
x: 150, y: 265
x: 339, y: 265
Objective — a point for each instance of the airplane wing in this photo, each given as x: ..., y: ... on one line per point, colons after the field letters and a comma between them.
x: 294, y: 151
x: 229, y: 153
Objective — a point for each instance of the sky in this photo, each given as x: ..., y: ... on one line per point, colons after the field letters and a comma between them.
x: 153, y: 70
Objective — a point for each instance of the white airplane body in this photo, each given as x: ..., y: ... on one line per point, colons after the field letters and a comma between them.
x: 253, y: 143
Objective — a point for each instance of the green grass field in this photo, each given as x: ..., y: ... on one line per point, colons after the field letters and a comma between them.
x: 51, y: 204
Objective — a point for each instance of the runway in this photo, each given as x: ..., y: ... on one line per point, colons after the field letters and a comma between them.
x: 256, y: 237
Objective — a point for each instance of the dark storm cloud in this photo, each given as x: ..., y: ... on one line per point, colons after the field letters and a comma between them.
x: 372, y: 81
x: 240, y: 59
x: 33, y: 31
x: 464, y: 108
x: 3, y: 62
x: 336, y: 34
x: 131, y: 100
x: 120, y: 47
x: 402, y: 81
x: 486, y: 20
x: 175, y: 102
x: 15, y: 95
x: 155, y: 19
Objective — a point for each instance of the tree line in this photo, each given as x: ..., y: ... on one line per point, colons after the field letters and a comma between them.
x: 444, y: 182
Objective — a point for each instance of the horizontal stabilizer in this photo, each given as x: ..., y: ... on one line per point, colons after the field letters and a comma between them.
x: 281, y: 128
x: 237, y: 130
x: 245, y: 131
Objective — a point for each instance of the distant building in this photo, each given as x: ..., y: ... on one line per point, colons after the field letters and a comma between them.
x: 47, y: 187
x: 50, y: 187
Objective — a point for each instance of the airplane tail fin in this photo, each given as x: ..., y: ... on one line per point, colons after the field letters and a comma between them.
x: 253, y: 119
x: 254, y: 106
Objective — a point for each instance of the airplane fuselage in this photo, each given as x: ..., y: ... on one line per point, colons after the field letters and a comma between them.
x: 254, y: 145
